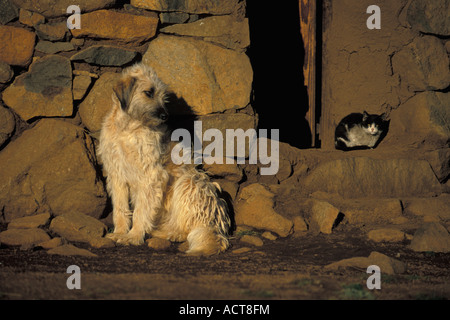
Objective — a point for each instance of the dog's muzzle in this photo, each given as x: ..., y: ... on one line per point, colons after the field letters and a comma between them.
x: 163, y: 115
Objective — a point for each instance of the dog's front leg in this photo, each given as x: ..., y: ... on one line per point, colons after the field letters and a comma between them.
x: 147, y: 203
x: 121, y: 210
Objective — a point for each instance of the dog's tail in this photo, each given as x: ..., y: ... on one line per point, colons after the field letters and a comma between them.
x: 201, y: 212
x: 206, y: 241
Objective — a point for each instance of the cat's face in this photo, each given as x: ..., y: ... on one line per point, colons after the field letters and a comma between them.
x: 372, y: 123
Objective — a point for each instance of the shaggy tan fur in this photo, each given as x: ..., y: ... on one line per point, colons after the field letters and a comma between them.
x: 177, y: 203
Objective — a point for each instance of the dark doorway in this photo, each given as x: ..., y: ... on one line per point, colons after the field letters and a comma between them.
x: 276, y: 52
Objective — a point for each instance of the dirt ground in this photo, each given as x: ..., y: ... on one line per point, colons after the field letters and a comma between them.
x: 287, y: 268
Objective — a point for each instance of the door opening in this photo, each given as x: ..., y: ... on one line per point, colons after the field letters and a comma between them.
x: 277, y: 55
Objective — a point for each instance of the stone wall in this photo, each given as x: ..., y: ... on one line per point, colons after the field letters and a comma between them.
x: 56, y: 85
x: 402, y: 69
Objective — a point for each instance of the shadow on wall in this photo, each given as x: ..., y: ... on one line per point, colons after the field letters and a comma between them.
x: 277, y: 54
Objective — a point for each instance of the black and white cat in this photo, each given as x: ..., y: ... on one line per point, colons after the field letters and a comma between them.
x: 360, y: 130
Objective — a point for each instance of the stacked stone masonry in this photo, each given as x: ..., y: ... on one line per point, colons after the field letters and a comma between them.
x: 56, y: 85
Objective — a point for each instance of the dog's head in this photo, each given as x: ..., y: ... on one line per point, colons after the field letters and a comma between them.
x: 142, y: 95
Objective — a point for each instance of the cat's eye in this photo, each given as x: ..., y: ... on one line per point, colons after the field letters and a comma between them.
x: 150, y: 93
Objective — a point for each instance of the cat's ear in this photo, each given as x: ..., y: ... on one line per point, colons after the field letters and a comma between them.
x: 365, y: 115
x: 384, y: 116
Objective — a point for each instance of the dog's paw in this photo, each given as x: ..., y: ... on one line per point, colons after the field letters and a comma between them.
x: 115, y: 236
x: 130, y: 239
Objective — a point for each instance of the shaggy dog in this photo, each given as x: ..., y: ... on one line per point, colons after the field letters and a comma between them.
x: 150, y: 194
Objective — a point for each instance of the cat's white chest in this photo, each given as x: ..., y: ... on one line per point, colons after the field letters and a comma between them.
x: 358, y: 137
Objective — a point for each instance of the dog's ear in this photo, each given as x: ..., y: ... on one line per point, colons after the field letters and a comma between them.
x: 124, y: 91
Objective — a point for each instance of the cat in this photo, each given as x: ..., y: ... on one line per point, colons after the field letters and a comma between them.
x: 360, y: 131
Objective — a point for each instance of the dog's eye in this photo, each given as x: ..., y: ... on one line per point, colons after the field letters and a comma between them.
x: 150, y: 93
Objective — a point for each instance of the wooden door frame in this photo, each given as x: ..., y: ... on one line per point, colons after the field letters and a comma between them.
x: 308, y: 29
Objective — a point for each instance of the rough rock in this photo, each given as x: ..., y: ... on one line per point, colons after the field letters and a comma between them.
x: 285, y: 170
x: 30, y: 18
x: 52, y: 32
x: 77, y: 227
x: 100, y: 242
x: 322, y: 216
x: 253, y: 240
x: 254, y: 208
x: 6, y: 72
x: 358, y: 177
x: 57, y: 174
x: 370, y: 211
x: 231, y: 123
x: 158, y: 243
x: 226, y: 31
x: 269, y: 235
x: 23, y: 237
x: 16, y: 45
x: 51, y: 9
x: 207, y: 77
x: 300, y: 225
x: 98, y: 102
x: 53, y: 243
x: 71, y: 250
x: 190, y: 6
x: 105, y: 55
x: 242, y: 250
x: 437, y: 207
x: 8, y: 11
x: 423, y: 64
x: 433, y: 237
x: 387, y: 265
x: 173, y: 17
x: 7, y: 125
x: 80, y: 86
x: 425, y: 117
x: 440, y: 162
x: 430, y: 16
x: 231, y: 172
x: 35, y: 221
x: 44, y: 91
x: 53, y: 47
x: 387, y: 235
x: 123, y: 27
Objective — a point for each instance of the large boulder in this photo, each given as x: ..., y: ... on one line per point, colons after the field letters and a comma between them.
x: 23, y: 237
x: 431, y: 237
x: 423, y: 118
x: 207, y: 77
x: 44, y: 91
x: 16, y: 45
x: 190, y: 6
x: 430, y: 16
x: 227, y: 31
x: 386, y: 264
x: 123, y: 27
x: 98, y: 102
x: 423, y: 64
x: 77, y: 227
x: 8, y: 11
x: 105, y: 55
x: 255, y: 208
x: 50, y: 167
x: 359, y: 177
